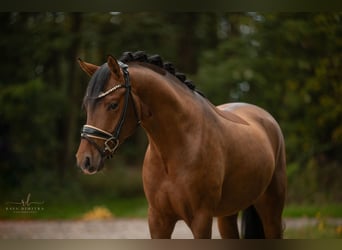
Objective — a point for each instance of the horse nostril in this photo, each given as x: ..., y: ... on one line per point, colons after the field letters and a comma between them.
x: 87, y: 163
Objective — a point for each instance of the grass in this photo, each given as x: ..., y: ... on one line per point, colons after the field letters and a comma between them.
x: 320, y: 230
x: 120, y: 207
x: 315, y: 232
x: 311, y: 210
x: 137, y: 208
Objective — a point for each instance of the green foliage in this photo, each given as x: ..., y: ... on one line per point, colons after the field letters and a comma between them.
x: 311, y: 90
x: 314, y: 232
x: 118, y: 180
x: 28, y: 118
x: 71, y: 209
x: 290, y: 65
x: 309, y: 210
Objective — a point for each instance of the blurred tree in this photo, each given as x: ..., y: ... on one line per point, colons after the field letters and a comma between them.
x: 225, y: 71
x: 288, y: 63
x: 41, y: 89
x: 303, y: 54
x: 39, y: 74
x: 74, y: 91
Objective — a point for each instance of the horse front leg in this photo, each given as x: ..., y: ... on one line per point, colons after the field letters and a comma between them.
x: 228, y: 227
x: 161, y: 225
x: 201, y: 225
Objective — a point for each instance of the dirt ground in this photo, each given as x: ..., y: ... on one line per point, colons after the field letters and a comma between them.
x: 108, y: 229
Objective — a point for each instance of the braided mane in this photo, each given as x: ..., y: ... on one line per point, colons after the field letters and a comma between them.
x: 141, y: 56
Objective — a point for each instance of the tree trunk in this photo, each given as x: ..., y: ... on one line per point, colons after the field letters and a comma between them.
x: 74, y: 94
x: 187, y: 43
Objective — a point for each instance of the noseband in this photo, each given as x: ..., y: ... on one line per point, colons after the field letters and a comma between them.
x: 111, y: 140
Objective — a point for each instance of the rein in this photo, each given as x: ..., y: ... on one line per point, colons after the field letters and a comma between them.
x: 111, y: 140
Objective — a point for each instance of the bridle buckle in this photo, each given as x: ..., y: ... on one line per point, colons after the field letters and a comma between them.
x: 108, y: 147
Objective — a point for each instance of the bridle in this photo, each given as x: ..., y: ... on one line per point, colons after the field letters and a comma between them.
x: 111, y: 140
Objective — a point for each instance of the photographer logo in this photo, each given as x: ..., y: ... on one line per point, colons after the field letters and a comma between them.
x: 25, y: 206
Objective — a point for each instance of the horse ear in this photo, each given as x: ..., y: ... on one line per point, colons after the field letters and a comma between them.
x: 114, y: 67
x: 88, y: 67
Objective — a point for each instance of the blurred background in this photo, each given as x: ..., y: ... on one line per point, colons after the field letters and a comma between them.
x: 288, y: 63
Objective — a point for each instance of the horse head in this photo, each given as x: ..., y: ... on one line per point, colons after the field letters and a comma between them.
x: 112, y: 114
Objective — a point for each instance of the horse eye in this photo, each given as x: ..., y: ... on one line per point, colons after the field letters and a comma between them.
x: 112, y: 106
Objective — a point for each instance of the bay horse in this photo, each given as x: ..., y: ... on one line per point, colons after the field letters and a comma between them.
x: 201, y: 162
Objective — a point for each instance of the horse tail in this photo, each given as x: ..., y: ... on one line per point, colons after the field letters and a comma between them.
x: 251, y: 225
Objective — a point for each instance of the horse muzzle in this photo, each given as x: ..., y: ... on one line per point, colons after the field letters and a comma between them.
x: 88, y: 164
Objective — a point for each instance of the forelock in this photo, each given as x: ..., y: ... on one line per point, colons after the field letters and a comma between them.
x: 96, y: 85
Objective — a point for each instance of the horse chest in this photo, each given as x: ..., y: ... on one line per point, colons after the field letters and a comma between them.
x: 179, y: 195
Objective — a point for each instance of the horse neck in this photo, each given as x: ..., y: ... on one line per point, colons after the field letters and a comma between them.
x: 172, y: 107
